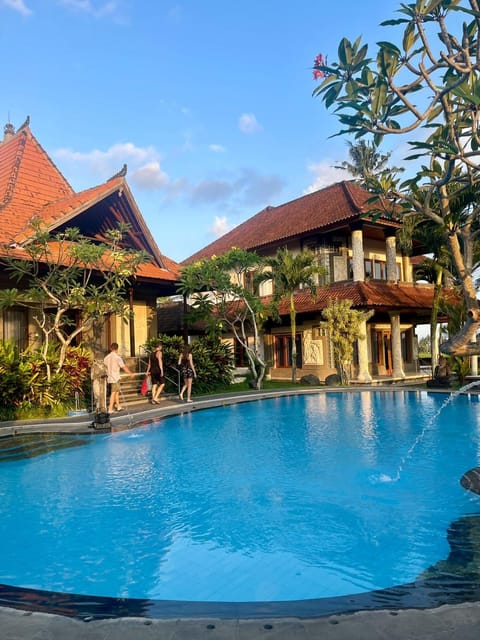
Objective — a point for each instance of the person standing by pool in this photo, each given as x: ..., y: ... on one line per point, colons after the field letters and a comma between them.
x: 155, y: 371
x: 187, y: 369
x: 114, y: 364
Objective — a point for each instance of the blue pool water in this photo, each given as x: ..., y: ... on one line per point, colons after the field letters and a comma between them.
x: 310, y: 496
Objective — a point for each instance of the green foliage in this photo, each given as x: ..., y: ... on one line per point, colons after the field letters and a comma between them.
x: 426, y: 86
x: 66, y: 274
x: 367, y: 164
x: 59, y: 388
x: 26, y: 390
x: 290, y: 271
x: 213, y: 363
x: 461, y: 367
x: 222, y: 293
x: 425, y: 346
x: 343, y: 325
x: 13, y: 379
x: 213, y: 360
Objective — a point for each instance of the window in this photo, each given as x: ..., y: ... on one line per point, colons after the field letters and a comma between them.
x: 379, y: 270
x: 368, y: 268
x: 283, y: 351
x: 240, y: 355
x: 15, y: 326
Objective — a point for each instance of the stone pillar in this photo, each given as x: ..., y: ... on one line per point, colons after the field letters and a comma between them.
x: 391, y: 251
x: 98, y: 375
x: 363, y: 372
x: 474, y: 365
x: 357, y: 256
x: 397, y: 360
x: 407, y: 269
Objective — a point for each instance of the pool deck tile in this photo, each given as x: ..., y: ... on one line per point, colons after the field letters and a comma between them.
x: 448, y: 622
x: 458, y: 622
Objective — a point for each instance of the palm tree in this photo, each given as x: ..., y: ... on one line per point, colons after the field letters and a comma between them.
x: 289, y: 272
x: 366, y: 162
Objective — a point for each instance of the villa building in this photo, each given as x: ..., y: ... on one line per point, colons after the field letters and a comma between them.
x: 362, y: 264
x: 31, y: 186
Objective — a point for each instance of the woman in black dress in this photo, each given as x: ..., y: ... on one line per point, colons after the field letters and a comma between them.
x: 187, y: 369
x: 155, y: 371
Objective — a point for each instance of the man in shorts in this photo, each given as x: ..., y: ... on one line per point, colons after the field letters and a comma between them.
x: 114, y: 364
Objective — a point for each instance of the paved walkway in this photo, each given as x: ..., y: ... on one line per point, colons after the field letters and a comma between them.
x: 452, y: 622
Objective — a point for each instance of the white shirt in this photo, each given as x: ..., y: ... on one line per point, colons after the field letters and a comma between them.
x: 114, y: 364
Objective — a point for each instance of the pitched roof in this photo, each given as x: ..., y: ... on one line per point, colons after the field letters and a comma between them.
x: 31, y: 186
x: 343, y: 202
x: 29, y: 180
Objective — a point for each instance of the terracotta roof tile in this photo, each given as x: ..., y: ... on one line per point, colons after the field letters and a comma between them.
x: 32, y: 186
x: 29, y: 180
x: 366, y: 295
x: 338, y: 203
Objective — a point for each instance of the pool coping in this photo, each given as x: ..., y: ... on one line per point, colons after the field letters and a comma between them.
x: 304, y: 614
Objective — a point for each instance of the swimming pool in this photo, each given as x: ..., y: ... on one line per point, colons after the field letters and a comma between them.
x: 337, y: 500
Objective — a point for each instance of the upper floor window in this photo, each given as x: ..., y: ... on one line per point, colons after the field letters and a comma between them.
x: 379, y: 270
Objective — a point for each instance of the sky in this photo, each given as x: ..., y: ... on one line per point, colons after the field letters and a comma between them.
x: 208, y: 102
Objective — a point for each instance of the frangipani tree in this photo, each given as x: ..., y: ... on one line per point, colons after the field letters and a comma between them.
x: 221, y: 292
x: 426, y: 87
x: 69, y: 272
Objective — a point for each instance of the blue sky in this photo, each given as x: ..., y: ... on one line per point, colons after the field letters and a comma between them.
x: 209, y: 102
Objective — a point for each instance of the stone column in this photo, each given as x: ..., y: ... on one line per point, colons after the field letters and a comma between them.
x: 407, y: 269
x: 397, y: 360
x: 357, y: 256
x: 363, y: 372
x: 391, y: 251
x: 474, y: 365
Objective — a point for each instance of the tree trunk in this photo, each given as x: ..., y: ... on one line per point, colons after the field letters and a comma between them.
x: 293, y: 324
x: 464, y: 343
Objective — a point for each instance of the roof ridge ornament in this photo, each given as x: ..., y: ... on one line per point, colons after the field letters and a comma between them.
x: 120, y: 174
x: 25, y: 124
x: 8, y: 131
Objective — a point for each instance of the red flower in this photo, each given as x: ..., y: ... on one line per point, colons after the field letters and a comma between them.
x: 319, y: 62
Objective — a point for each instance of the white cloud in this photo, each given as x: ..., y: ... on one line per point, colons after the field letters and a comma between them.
x: 247, y: 123
x: 217, y: 148
x: 324, y: 175
x: 220, y: 226
x: 17, y: 5
x: 96, y: 9
x: 150, y: 176
x: 143, y: 163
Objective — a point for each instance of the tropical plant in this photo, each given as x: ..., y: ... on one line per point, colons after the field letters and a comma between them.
x: 344, y: 329
x: 213, y: 360
x: 289, y: 272
x: 428, y: 84
x: 221, y: 293
x: 366, y: 163
x: 68, y: 273
x: 62, y: 387
x: 14, y: 378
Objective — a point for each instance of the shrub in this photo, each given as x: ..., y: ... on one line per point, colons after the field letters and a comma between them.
x: 14, y: 379
x: 213, y: 361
